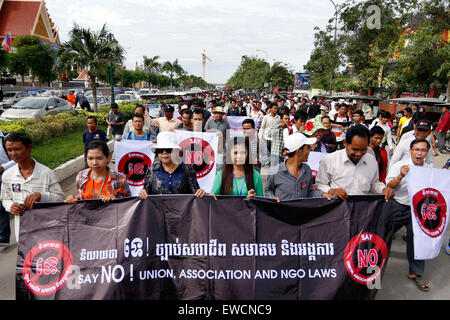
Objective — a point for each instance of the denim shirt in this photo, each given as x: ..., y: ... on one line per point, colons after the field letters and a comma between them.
x: 182, y: 181
x: 286, y: 186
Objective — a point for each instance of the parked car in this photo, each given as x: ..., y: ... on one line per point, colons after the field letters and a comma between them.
x: 54, y: 93
x: 124, y: 98
x: 12, y: 97
x: 101, y: 102
x: 36, y: 106
x: 133, y: 94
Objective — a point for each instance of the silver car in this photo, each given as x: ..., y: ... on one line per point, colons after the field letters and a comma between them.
x: 36, y: 106
x: 12, y: 97
x: 101, y: 102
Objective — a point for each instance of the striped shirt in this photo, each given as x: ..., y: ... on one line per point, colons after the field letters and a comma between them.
x: 15, y: 188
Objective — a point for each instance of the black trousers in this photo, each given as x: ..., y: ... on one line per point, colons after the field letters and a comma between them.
x: 402, y: 217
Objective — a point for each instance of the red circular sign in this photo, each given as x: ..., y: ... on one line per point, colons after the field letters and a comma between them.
x: 430, y: 211
x: 44, y: 280
x: 364, y: 251
x: 134, y: 165
x: 198, y: 153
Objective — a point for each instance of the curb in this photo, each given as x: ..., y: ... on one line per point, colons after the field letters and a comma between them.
x: 72, y: 167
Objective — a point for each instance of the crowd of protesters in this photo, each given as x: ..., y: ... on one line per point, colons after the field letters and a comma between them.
x: 362, y: 156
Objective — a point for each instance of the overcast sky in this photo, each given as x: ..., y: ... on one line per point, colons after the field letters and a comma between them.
x: 227, y: 29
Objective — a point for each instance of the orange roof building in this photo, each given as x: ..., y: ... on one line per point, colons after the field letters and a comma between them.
x: 27, y: 17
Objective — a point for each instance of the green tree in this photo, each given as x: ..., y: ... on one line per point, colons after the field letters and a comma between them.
x: 151, y: 65
x: 324, y: 60
x: 172, y: 69
x: 91, y: 50
x: 425, y: 59
x: 4, y: 60
x: 250, y: 74
x: 32, y: 57
x: 281, y: 76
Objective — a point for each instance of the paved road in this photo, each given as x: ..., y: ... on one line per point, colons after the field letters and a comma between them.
x: 394, y: 284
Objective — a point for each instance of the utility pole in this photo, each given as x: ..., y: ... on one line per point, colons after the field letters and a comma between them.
x: 111, y: 81
x: 335, y: 29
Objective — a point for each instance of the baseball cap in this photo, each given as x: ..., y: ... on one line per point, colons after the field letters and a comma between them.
x: 297, y: 140
x: 423, y: 125
x: 169, y: 108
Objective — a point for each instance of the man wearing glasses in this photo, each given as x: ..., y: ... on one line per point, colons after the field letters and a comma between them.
x: 419, y: 149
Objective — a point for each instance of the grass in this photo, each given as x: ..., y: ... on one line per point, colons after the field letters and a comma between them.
x: 54, y: 152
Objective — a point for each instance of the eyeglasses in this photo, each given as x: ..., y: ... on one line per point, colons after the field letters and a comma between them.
x: 168, y: 150
x: 420, y: 150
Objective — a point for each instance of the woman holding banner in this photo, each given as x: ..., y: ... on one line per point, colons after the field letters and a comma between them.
x: 238, y: 176
x: 169, y: 175
x: 98, y: 181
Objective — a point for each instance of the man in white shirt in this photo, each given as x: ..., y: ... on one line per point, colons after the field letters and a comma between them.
x: 27, y: 182
x: 422, y: 130
x: 6, y: 163
x: 351, y: 171
x: 168, y: 122
x: 270, y: 121
x: 419, y: 148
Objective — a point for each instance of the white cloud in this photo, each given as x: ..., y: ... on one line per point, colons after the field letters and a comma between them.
x: 182, y: 29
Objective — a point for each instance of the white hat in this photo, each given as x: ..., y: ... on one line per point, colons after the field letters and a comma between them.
x: 166, y: 140
x: 218, y: 110
x: 184, y: 107
x: 297, y: 140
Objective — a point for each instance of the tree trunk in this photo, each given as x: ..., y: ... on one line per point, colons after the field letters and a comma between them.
x: 94, y: 93
x: 448, y: 91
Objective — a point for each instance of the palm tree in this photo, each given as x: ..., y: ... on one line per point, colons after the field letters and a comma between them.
x: 172, y: 69
x: 151, y: 65
x: 90, y: 50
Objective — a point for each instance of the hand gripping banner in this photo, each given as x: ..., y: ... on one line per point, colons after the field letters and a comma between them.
x: 180, y: 247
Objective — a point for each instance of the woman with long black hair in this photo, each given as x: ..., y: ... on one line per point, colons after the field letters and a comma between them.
x: 238, y: 176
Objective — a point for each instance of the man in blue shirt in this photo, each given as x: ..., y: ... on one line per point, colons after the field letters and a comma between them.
x: 138, y: 133
x: 92, y: 133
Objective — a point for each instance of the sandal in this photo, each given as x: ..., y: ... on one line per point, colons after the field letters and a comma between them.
x: 423, y: 285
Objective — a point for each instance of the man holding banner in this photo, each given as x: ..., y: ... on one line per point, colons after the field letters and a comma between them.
x: 351, y: 171
x: 401, y: 205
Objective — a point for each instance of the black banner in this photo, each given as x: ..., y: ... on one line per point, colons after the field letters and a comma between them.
x: 180, y: 247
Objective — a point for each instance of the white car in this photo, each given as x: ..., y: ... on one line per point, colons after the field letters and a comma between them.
x: 124, y: 98
x: 12, y: 97
x: 36, y: 106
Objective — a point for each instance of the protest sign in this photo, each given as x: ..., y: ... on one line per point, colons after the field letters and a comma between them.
x: 133, y: 158
x: 429, y: 192
x: 199, y: 149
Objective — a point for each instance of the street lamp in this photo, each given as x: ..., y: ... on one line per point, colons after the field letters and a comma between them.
x: 335, y: 29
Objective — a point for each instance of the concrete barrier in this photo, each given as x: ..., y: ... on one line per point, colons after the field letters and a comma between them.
x: 71, y: 167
